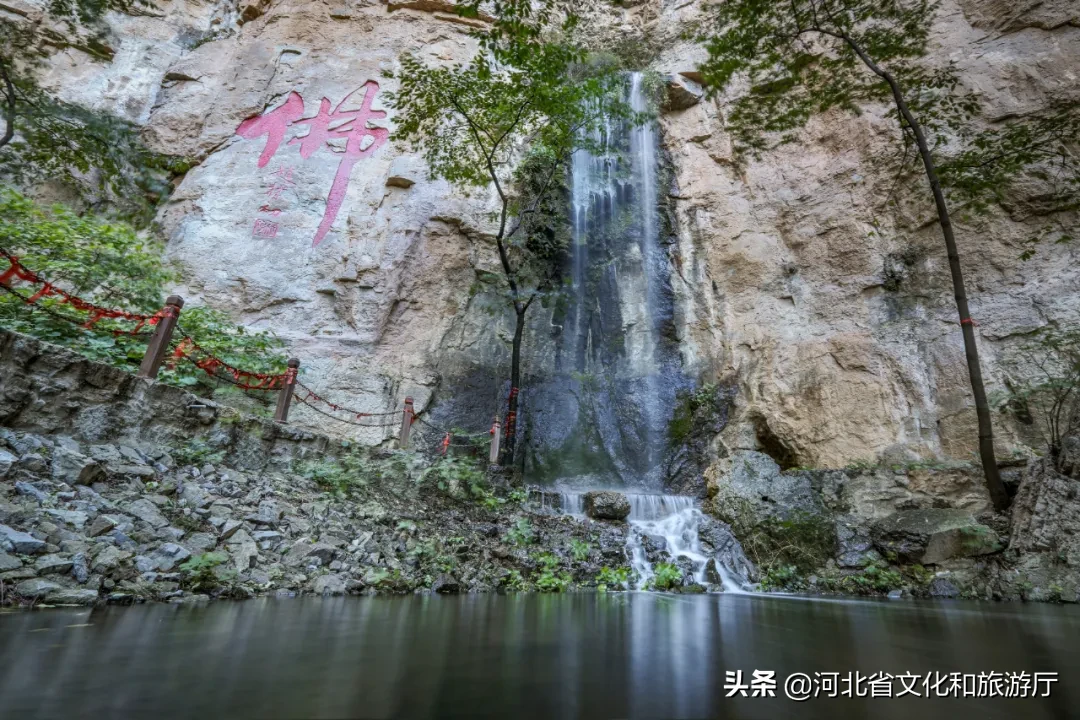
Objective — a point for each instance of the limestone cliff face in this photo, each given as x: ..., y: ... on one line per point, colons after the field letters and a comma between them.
x: 833, y: 317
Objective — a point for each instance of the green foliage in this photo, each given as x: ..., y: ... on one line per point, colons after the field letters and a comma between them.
x: 801, y: 539
x: 509, y: 120
x: 874, y: 579
x: 548, y: 579
x: 579, y: 550
x: 432, y: 556
x: 515, y: 581
x: 200, y: 572
x: 798, y: 59
x: 618, y: 578
x: 1047, y: 395
x: 197, y: 451
x: 518, y: 496
x: 462, y: 476
x: 806, y: 57
x: 780, y: 577
x: 667, y: 576
x: 702, y: 407
x: 353, y: 470
x: 521, y: 533
x: 112, y: 265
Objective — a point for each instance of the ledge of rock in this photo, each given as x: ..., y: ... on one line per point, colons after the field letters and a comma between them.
x: 606, y: 505
x: 933, y: 535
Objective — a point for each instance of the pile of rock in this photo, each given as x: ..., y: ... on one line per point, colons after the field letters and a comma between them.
x: 82, y: 523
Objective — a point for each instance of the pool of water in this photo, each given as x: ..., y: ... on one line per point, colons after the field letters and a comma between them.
x: 524, y: 656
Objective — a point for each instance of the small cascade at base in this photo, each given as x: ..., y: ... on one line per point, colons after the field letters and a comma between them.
x: 666, y: 528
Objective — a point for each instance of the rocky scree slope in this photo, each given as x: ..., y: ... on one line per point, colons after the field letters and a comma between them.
x: 120, y: 490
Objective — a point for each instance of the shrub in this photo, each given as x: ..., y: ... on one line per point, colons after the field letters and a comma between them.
x: 199, y: 571
x: 515, y: 581
x: 579, y: 550
x: 548, y: 580
x: 1050, y: 398
x: 780, y: 577
x: 667, y: 576
x: 617, y: 578
x: 521, y: 533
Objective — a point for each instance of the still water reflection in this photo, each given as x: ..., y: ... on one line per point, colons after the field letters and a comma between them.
x: 578, y: 655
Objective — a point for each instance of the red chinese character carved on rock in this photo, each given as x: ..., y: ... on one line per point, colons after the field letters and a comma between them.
x: 348, y: 125
x: 264, y: 229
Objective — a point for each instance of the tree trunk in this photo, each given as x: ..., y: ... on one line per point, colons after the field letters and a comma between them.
x: 998, y: 495
x: 9, y: 105
x: 515, y: 384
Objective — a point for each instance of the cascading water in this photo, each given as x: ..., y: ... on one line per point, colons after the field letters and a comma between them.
x: 599, y: 418
x: 599, y: 414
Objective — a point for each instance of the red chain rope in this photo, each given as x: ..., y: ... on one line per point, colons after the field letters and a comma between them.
x: 511, y: 416
x: 969, y: 321
x: 17, y: 271
x: 210, y: 364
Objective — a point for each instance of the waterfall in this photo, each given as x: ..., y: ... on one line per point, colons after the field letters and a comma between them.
x: 599, y: 414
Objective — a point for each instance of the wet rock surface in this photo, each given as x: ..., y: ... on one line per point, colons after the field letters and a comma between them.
x: 606, y: 505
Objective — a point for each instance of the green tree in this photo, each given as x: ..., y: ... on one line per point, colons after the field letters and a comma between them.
x: 1049, y: 396
x: 800, y: 58
x: 44, y: 137
x: 509, y: 120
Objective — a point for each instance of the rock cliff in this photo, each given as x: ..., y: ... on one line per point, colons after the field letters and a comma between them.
x: 830, y: 315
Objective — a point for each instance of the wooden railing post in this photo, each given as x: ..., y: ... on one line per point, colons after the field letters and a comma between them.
x: 281, y: 414
x: 158, y: 346
x: 493, y: 458
x: 406, y: 424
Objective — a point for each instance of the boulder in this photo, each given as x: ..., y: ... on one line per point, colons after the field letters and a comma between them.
x: 933, y: 535
x: 72, y: 596
x: 101, y: 525
x: 682, y: 93
x: 718, y: 541
x: 19, y: 542
x: 52, y: 564
x: 943, y: 588
x: 72, y: 467
x: 9, y: 562
x: 854, y: 546
x: 109, y: 559
x: 169, y: 556
x: 73, y: 518
x: 79, y: 568
x: 147, y: 512
x: 332, y: 584
x: 606, y: 505
x: 25, y: 488
x: 200, y: 542
x: 229, y: 528
x: 243, y: 550
x: 7, y: 461
x: 36, y: 588
x: 446, y: 585
x: 750, y: 487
